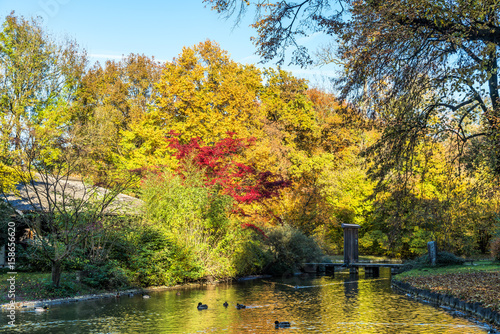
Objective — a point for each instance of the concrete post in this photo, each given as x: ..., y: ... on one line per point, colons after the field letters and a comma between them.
x: 432, y: 250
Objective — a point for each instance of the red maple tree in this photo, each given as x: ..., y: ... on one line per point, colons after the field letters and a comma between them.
x: 242, y: 182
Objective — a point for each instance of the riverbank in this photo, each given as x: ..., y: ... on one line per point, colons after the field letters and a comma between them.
x: 35, y: 289
x: 474, y: 288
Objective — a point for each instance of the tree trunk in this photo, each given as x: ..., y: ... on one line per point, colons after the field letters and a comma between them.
x: 56, y: 273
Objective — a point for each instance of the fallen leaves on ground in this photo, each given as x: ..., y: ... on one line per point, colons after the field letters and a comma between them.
x: 482, y: 287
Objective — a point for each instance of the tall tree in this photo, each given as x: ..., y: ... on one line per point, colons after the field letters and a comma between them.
x: 203, y: 93
x: 281, y: 24
x: 426, y: 68
x: 112, y: 115
x: 38, y: 80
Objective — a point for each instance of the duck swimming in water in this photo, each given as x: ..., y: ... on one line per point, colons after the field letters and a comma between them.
x: 225, y: 304
x: 240, y: 306
x: 282, y: 324
x: 202, y: 306
x: 145, y: 295
x: 41, y: 309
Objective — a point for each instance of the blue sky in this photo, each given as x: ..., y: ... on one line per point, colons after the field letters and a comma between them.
x: 108, y: 29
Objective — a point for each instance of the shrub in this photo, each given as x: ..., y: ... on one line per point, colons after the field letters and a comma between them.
x: 447, y: 259
x: 289, y: 248
x: 30, y: 259
x: 160, y: 260
x: 495, y: 248
x: 443, y: 259
x: 250, y: 257
x: 107, y: 276
x: 194, y: 235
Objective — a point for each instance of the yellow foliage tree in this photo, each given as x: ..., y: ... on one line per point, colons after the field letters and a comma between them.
x: 203, y: 93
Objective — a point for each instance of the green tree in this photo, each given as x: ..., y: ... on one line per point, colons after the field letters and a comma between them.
x: 40, y: 150
x: 38, y: 80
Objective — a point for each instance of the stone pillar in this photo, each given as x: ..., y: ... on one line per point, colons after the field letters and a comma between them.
x: 432, y: 250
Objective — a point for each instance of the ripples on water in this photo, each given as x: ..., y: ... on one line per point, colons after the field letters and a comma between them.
x: 321, y: 304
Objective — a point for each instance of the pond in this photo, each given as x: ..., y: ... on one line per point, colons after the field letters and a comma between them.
x: 312, y: 304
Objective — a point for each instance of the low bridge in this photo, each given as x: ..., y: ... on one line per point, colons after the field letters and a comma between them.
x: 351, y: 257
x: 370, y: 268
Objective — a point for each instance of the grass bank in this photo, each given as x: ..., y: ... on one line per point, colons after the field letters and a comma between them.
x: 32, y: 286
x: 473, y: 283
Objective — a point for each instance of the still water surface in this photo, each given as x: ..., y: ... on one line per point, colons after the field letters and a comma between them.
x: 318, y: 304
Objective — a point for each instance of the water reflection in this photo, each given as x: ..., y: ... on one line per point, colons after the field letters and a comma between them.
x: 341, y: 304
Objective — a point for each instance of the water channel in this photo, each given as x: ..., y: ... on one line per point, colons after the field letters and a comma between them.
x: 312, y: 304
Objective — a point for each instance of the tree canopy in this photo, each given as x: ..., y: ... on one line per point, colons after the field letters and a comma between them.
x: 240, y: 146
x: 38, y: 79
x: 424, y: 68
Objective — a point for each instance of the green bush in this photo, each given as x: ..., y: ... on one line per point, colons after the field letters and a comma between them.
x: 289, y: 247
x: 159, y: 260
x: 107, y: 276
x: 443, y: 259
x: 250, y: 257
x: 447, y: 259
x: 198, y: 240
x: 30, y: 259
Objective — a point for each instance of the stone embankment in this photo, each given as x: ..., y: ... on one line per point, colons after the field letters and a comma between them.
x: 474, y: 309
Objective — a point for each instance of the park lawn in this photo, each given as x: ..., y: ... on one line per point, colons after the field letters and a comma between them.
x: 472, y: 283
x: 36, y: 286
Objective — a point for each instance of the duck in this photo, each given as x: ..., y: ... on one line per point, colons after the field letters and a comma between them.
x: 145, y: 295
x: 240, y: 306
x: 117, y: 295
x: 225, y: 304
x: 178, y: 293
x: 41, y: 309
x: 282, y: 324
x: 202, y: 306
